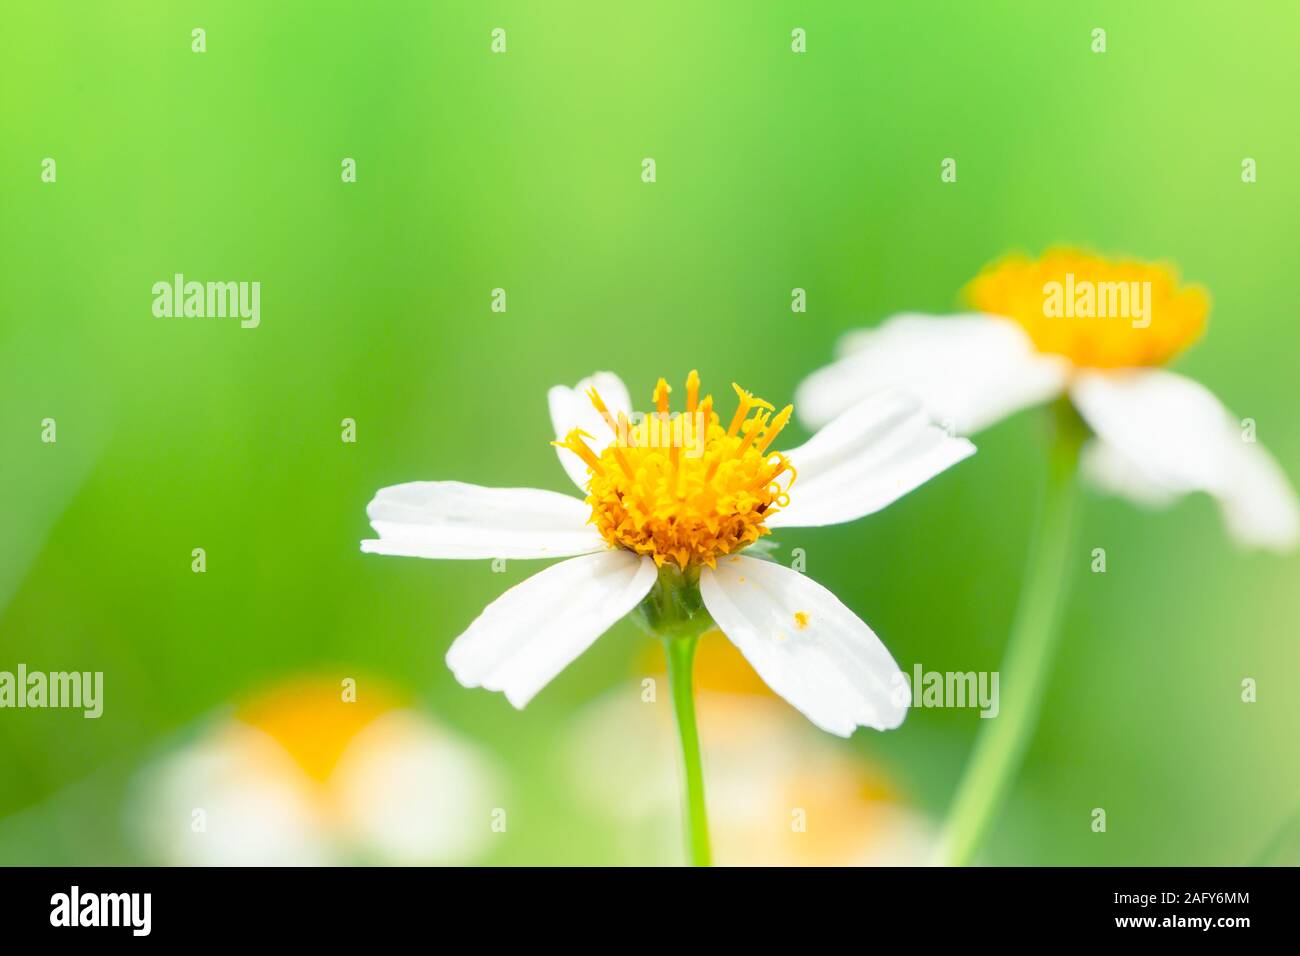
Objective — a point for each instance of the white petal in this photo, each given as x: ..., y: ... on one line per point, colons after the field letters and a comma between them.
x: 1260, y: 507
x: 1166, y: 433
x: 1109, y: 470
x: 253, y: 793
x: 969, y: 370
x: 571, y: 408
x: 1169, y: 427
x: 871, y: 455
x: 450, y: 519
x: 832, y: 668
x: 537, y: 628
x: 411, y: 793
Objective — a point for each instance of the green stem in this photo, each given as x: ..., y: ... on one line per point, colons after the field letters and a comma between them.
x: 1026, y: 665
x: 674, y: 611
x: 681, y: 656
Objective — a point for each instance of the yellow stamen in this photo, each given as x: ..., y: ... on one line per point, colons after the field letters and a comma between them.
x: 706, y: 411
x: 690, y: 491
x: 692, y: 391
x: 599, y: 404
x: 573, y: 441
x: 756, y: 424
x: 748, y: 428
x: 774, y: 429
x: 661, y: 396
x: 782, y: 465
x: 624, y: 430
x: 742, y: 410
x: 622, y: 461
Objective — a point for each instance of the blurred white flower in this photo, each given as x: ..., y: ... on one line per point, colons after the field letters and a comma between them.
x: 301, y: 777
x: 683, y: 493
x: 1071, y: 323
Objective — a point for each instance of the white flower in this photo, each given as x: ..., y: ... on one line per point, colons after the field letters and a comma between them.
x: 300, y: 777
x: 685, y: 493
x: 1075, y: 324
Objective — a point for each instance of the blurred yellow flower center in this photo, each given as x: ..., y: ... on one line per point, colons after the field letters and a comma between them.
x: 312, y: 722
x: 1096, y: 312
x: 685, y: 486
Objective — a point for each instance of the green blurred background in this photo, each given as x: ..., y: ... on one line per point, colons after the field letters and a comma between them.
x: 522, y: 171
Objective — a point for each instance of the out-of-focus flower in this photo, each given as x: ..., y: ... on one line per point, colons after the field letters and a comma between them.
x: 670, y: 500
x: 1097, y: 330
x: 300, y: 776
x: 779, y: 793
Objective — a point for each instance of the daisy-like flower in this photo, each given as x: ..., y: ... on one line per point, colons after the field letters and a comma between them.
x: 670, y: 505
x: 671, y: 501
x: 1098, y: 331
x: 1092, y: 334
x: 299, y: 777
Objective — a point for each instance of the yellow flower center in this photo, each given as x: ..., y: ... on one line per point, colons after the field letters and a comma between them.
x: 685, y: 486
x: 1096, y: 312
x: 312, y: 722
